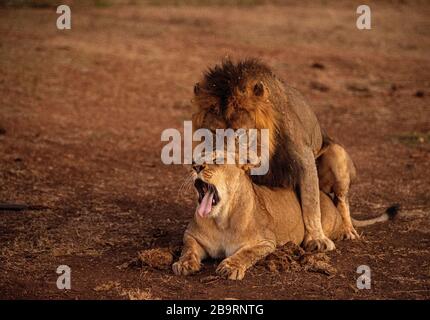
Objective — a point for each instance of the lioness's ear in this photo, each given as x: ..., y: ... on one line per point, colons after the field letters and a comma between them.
x: 260, y: 89
x: 197, y: 89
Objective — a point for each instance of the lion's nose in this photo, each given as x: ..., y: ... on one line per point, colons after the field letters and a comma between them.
x: 198, y: 167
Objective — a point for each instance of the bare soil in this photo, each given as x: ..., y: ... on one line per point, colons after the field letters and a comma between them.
x: 82, y: 111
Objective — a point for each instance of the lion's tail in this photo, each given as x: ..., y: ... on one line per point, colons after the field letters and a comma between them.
x: 389, y: 214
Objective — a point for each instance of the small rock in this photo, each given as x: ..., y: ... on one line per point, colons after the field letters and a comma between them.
x: 319, y: 86
x: 317, y: 65
x: 358, y: 88
x: 419, y: 94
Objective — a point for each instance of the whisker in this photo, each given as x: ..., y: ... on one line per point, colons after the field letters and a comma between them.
x: 186, y: 185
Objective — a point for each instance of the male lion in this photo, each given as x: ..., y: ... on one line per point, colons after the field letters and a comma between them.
x: 248, y: 95
x: 242, y: 221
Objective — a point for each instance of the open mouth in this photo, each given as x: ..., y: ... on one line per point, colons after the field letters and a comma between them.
x: 208, y: 197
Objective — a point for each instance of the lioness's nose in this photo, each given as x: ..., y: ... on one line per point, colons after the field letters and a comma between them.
x: 198, y: 167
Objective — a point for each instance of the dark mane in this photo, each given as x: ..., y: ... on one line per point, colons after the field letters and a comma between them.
x: 285, y: 168
x: 224, y: 78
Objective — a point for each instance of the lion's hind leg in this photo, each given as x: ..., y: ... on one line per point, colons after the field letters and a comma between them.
x: 349, y: 232
x: 336, y: 172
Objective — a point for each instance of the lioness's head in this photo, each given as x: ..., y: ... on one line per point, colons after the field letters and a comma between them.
x: 217, y: 184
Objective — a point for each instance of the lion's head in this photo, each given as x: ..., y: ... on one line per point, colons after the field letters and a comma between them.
x: 247, y: 95
x: 233, y: 96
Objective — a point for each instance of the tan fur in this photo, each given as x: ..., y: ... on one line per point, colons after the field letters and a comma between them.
x: 248, y: 95
x: 247, y: 224
x: 336, y: 172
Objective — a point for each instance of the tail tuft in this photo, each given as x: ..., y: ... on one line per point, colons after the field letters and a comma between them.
x: 393, y: 211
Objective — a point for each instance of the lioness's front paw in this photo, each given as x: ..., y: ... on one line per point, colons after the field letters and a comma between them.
x: 321, y: 244
x: 349, y: 234
x: 231, y: 270
x: 186, y: 267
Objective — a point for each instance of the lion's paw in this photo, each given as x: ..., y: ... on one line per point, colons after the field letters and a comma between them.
x: 322, y: 244
x: 186, y: 267
x: 349, y: 234
x: 231, y: 270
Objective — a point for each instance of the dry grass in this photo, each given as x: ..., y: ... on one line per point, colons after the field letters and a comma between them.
x: 138, y: 294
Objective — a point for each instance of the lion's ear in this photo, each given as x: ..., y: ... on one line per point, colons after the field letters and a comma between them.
x: 252, y: 162
x: 260, y: 90
x: 197, y: 89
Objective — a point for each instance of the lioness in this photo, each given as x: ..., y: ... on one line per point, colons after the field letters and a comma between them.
x: 242, y: 221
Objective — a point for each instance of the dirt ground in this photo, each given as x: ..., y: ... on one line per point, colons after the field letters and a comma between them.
x: 82, y: 111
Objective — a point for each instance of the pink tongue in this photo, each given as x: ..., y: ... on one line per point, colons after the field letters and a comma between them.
x: 205, y: 206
